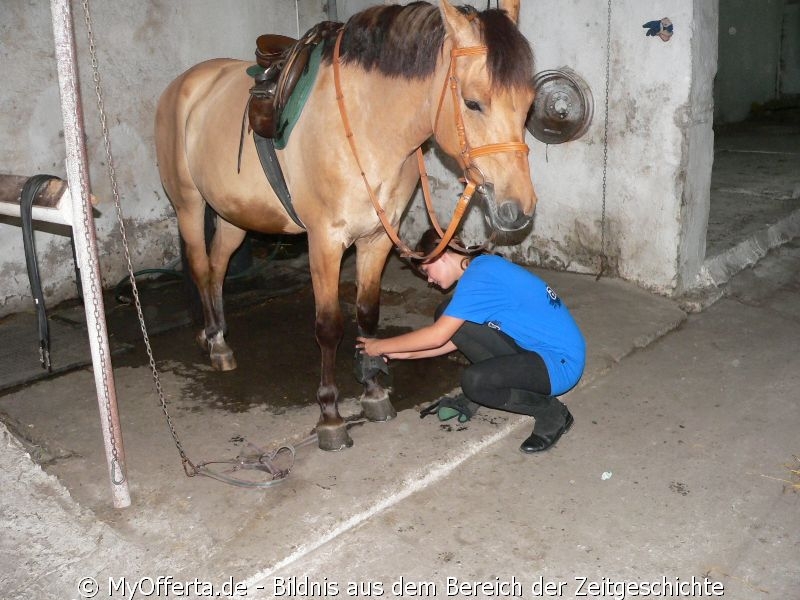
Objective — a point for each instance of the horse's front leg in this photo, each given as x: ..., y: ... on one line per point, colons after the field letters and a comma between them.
x: 325, y: 258
x: 370, y: 261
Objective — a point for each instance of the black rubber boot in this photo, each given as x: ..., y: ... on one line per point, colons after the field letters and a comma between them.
x: 554, y: 422
x: 553, y: 419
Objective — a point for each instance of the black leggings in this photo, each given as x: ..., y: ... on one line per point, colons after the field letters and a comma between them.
x: 505, y: 376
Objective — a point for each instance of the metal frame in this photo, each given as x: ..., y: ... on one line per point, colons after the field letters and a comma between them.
x: 74, y: 209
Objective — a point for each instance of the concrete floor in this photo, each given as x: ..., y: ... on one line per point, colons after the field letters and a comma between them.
x: 679, y: 466
x: 682, y: 463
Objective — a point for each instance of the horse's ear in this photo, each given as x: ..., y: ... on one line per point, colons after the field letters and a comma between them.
x: 512, y: 9
x: 457, y: 25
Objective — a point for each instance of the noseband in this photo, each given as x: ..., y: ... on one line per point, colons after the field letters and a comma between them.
x: 466, y: 154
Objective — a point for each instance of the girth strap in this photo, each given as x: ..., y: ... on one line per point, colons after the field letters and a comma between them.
x: 30, y: 190
x: 269, y: 162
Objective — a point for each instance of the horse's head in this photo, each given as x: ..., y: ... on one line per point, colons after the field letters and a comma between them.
x: 480, y: 117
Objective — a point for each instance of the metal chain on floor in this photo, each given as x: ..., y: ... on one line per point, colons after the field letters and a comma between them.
x: 603, y: 255
x: 261, y: 462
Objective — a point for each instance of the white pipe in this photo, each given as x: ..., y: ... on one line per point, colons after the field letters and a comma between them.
x: 86, y: 248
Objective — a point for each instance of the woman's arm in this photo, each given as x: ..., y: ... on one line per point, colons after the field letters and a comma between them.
x: 432, y: 340
x: 449, y: 346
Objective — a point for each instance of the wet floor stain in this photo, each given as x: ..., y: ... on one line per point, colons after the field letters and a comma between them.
x: 278, y: 357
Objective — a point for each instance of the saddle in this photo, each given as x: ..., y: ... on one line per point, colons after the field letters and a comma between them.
x: 281, y: 61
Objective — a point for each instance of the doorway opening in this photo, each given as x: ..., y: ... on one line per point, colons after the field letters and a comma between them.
x: 755, y: 182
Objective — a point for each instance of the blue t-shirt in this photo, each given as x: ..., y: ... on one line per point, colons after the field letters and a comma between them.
x: 495, y: 292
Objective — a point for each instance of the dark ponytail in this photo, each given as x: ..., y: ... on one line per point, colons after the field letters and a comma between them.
x: 430, y: 239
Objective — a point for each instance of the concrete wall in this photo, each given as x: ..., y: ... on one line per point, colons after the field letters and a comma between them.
x: 695, y: 124
x: 658, y: 151
x: 141, y: 47
x: 749, y: 56
x: 790, y: 49
x: 660, y: 144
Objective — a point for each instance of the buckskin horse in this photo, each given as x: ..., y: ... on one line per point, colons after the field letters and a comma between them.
x: 404, y: 74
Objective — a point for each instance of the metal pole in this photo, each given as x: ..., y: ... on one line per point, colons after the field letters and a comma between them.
x: 86, y: 248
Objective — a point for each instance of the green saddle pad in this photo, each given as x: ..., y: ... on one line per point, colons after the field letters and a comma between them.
x: 294, y: 107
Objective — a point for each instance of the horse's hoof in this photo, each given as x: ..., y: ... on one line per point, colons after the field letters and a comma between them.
x: 333, y: 438
x: 224, y: 361
x: 219, y: 352
x: 378, y: 409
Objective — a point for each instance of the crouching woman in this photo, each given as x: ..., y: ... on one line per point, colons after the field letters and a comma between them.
x: 524, y: 347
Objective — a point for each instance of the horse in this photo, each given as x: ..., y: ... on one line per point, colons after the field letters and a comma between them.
x: 397, y: 66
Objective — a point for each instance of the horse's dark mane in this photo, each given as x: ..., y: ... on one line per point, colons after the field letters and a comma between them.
x: 406, y: 41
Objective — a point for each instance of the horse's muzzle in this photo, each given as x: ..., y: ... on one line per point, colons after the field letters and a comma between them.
x: 507, y: 217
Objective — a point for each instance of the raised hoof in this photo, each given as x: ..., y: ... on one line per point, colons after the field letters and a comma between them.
x: 378, y: 409
x: 333, y: 439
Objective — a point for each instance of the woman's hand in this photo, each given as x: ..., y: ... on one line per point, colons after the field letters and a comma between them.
x: 370, y: 346
x: 433, y: 340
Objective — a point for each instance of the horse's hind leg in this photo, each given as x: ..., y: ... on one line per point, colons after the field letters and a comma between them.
x: 227, y: 238
x: 208, y: 273
x: 325, y: 257
x: 370, y: 261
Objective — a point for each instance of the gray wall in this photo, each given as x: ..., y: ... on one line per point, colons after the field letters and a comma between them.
x: 749, y: 56
x: 659, y: 130
x: 660, y: 144
x: 789, y: 82
x: 141, y: 47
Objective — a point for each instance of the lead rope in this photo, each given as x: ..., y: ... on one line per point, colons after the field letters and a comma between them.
x: 260, y: 462
x: 426, y: 192
x: 603, y: 256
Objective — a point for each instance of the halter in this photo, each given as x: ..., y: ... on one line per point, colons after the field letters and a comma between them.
x: 465, y: 157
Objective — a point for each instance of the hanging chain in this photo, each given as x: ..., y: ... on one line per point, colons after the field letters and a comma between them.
x: 188, y: 466
x: 118, y: 474
x: 603, y: 256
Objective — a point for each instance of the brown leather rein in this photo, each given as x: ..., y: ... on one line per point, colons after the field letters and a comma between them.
x: 465, y: 158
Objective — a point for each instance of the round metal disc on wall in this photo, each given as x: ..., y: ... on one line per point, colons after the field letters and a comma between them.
x: 563, y: 107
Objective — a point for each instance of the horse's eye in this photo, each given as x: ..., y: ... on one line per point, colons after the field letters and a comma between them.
x: 473, y: 105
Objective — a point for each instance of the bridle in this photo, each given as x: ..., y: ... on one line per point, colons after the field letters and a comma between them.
x: 465, y: 157
x: 466, y: 154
